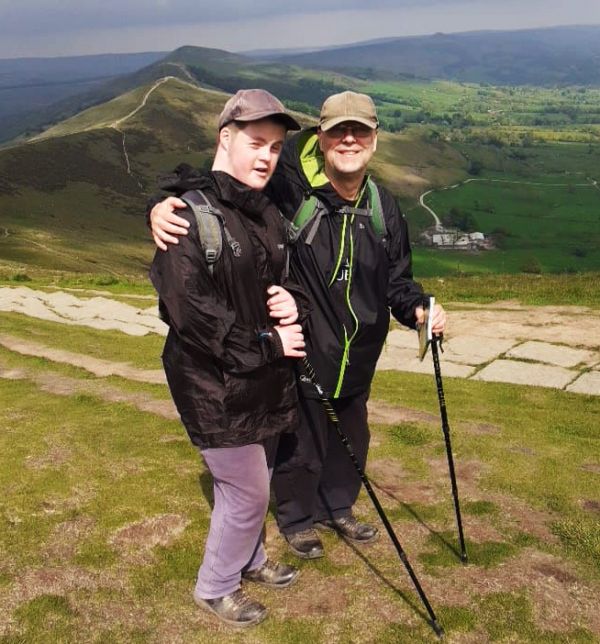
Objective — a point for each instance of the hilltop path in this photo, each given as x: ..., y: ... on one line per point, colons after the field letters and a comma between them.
x: 115, y: 124
x: 546, y: 346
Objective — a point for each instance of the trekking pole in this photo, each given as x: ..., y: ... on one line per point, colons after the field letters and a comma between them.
x: 426, y: 338
x: 435, y: 340
x: 333, y: 417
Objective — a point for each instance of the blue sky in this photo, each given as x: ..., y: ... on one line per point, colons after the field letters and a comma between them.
x: 69, y: 27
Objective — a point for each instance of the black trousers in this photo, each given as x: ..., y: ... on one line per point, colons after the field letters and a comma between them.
x: 314, y: 477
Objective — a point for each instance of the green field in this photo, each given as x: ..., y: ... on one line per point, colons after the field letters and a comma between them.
x: 571, y: 113
x: 551, y: 225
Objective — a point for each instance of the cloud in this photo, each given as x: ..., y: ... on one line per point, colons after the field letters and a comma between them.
x: 63, y: 16
x: 68, y: 28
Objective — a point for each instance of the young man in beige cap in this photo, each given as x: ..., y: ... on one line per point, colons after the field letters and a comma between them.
x: 355, y: 265
x: 233, y: 329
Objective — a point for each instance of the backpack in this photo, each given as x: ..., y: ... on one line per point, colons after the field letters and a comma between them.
x: 211, y: 227
x: 313, y: 210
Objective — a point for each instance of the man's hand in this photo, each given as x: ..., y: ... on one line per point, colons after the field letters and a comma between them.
x: 292, y: 340
x: 282, y: 305
x: 165, y: 223
x: 439, y: 319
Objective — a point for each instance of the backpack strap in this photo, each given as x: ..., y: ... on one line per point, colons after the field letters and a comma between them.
x: 377, y: 220
x: 312, y: 209
x: 210, y: 226
x: 304, y: 215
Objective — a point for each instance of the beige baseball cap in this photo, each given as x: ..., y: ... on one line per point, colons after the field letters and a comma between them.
x: 348, y: 106
x: 253, y: 105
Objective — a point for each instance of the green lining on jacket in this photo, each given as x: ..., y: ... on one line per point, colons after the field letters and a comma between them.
x: 311, y: 159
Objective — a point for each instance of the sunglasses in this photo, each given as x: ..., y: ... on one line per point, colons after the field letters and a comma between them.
x: 358, y: 131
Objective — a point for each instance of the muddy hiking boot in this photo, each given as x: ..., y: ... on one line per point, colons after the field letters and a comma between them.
x: 273, y: 575
x: 350, y: 528
x: 235, y: 609
x: 305, y: 544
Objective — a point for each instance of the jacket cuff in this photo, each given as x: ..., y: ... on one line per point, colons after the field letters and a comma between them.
x: 270, y: 340
x: 149, y: 205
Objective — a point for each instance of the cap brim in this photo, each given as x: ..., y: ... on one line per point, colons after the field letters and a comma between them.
x: 288, y: 121
x: 329, y: 123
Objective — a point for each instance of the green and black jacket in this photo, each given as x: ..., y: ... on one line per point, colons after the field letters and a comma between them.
x: 352, y: 275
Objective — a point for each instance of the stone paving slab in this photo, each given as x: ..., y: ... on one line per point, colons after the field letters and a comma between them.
x: 526, y: 373
x: 475, y: 350
x: 407, y: 360
x: 403, y: 338
x: 96, y: 312
x: 553, y: 354
x: 587, y: 383
x: 574, y: 326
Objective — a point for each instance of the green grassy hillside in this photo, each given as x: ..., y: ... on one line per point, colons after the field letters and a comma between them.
x: 72, y: 198
x: 70, y: 201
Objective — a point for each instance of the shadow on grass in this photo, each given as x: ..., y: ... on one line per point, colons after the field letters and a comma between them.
x: 408, y: 508
x: 407, y: 599
x: 205, y: 483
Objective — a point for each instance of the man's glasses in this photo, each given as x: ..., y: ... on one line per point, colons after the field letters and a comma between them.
x: 357, y: 130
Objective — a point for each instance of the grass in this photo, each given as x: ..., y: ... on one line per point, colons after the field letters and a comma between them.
x: 74, y: 478
x: 578, y: 289
x: 142, y: 352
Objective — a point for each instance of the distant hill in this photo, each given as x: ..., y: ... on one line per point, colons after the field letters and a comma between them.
x: 73, y: 198
x: 545, y: 57
x: 210, y: 68
x: 29, y: 85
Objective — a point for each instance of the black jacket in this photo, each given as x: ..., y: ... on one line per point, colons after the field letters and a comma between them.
x: 222, y: 357
x: 373, y: 276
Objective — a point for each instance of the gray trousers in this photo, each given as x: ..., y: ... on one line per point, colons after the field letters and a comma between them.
x: 241, y: 477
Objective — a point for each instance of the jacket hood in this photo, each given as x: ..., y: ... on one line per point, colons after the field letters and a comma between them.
x: 227, y: 188
x: 310, y: 158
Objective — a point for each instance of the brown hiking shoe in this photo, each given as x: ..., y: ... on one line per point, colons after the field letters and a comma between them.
x: 272, y: 574
x: 349, y: 528
x: 235, y: 609
x: 305, y: 544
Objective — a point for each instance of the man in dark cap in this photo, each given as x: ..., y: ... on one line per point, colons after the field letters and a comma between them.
x: 233, y: 329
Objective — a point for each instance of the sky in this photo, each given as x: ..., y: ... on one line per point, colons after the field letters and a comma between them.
x: 71, y: 27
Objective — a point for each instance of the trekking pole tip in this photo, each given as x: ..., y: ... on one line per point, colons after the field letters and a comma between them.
x: 438, y: 630
x: 464, y: 558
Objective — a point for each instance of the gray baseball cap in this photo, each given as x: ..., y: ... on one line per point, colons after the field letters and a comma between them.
x: 255, y: 104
